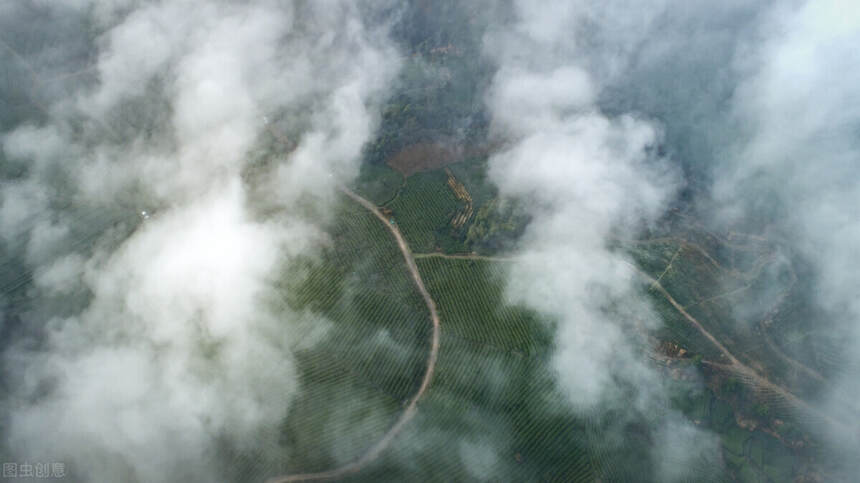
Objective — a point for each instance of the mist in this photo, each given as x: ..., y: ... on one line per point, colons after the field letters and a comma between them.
x: 759, y: 109
x: 586, y: 177
x: 173, y: 348
x: 797, y: 170
x: 753, y: 111
x: 166, y: 165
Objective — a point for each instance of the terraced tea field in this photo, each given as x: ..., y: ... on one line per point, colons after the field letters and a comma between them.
x: 359, y: 352
x: 424, y: 208
x: 492, y: 409
x: 491, y: 382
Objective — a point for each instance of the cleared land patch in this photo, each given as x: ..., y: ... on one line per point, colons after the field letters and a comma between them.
x: 424, y: 157
x: 465, y: 213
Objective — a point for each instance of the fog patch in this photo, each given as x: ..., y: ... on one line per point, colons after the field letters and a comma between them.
x: 795, y: 170
x: 138, y: 201
x: 685, y: 451
x: 479, y: 459
x: 585, y: 177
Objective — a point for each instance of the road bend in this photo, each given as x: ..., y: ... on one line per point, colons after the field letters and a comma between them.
x: 373, y: 453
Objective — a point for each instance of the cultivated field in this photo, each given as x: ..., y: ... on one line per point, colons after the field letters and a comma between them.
x: 493, y: 407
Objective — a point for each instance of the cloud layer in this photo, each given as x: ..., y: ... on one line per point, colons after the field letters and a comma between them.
x: 796, y: 168
x: 175, y: 348
x: 585, y: 177
x: 149, y: 338
x: 756, y: 106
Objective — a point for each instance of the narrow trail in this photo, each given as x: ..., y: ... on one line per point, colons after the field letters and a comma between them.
x: 752, y: 273
x: 750, y: 375
x: 774, y: 347
x: 407, y: 415
x: 465, y: 256
x: 669, y: 265
x: 33, y: 74
x: 734, y: 364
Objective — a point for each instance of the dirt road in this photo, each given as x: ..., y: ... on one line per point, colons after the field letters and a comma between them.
x: 735, y: 365
x: 465, y: 256
x: 412, y: 407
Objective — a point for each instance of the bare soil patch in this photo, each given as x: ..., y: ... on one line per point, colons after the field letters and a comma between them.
x: 425, y: 157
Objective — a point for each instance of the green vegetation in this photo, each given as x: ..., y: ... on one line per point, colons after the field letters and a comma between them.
x: 735, y: 299
x: 492, y: 392
x: 496, y: 224
x: 653, y: 257
x: 677, y: 329
x: 748, y: 455
x: 472, y: 173
x: 361, y: 339
x: 471, y: 302
x: 440, y: 86
x: 424, y: 209
x: 735, y: 287
x: 496, y: 227
x: 378, y: 183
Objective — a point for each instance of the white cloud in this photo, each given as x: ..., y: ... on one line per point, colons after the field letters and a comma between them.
x: 584, y: 176
x: 800, y: 108
x: 179, y: 345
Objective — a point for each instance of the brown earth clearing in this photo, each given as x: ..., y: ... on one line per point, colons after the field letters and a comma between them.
x: 426, y: 156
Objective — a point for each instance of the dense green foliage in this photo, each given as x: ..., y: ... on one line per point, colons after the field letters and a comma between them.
x: 493, y: 395
x: 736, y: 287
x: 424, y: 209
x: 378, y: 183
x: 424, y: 206
x: 361, y: 342
x: 472, y: 304
x: 440, y: 87
x: 496, y: 227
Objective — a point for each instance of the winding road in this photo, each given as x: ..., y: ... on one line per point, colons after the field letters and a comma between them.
x: 412, y: 407
x: 734, y: 365
x: 464, y: 256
